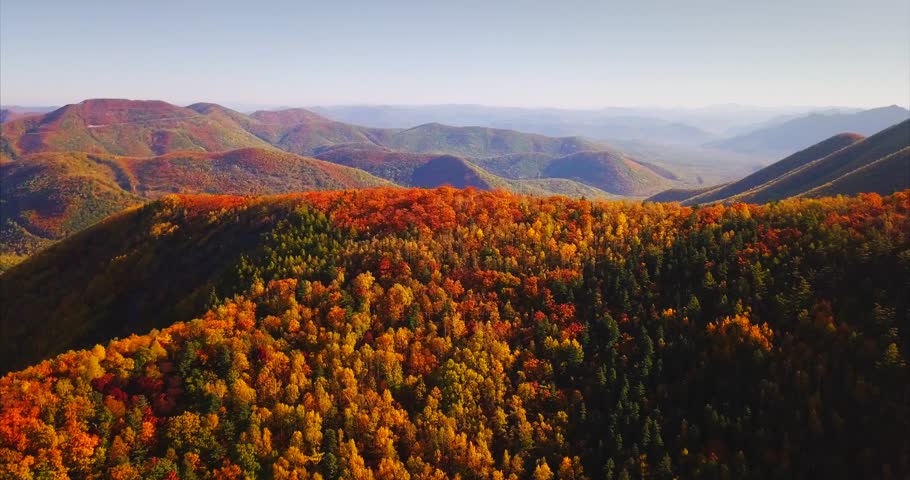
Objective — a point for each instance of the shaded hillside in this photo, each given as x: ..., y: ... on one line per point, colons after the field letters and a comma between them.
x: 517, y: 165
x: 451, y: 171
x: 124, y: 127
x: 395, y: 333
x: 52, y: 195
x: 776, y: 169
x: 610, y: 172
x: 140, y: 269
x: 246, y: 171
x: 836, y: 165
x: 47, y: 196
x: 802, y: 132
x: 888, y: 174
x: 877, y: 160
x: 395, y: 166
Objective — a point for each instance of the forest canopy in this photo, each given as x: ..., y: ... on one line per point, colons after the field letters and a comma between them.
x: 446, y: 333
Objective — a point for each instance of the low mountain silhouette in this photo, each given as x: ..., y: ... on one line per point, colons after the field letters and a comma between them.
x: 802, y: 132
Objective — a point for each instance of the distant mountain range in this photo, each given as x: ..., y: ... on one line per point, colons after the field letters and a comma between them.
x: 153, y: 128
x: 142, y: 128
x: 692, y: 127
x: 846, y: 164
x: 802, y: 132
x: 12, y: 112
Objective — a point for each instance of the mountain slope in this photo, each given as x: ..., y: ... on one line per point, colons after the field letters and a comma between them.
x: 779, y: 168
x: 449, y: 170
x: 395, y: 333
x: 878, y: 162
x: 612, y: 173
x: 48, y: 196
x: 836, y: 165
x: 802, y: 132
x: 52, y: 195
x: 888, y: 174
x: 395, y: 166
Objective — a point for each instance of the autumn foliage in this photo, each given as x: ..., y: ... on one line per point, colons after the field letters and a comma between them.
x: 461, y: 334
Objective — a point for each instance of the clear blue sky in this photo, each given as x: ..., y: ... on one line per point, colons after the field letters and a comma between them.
x: 518, y: 53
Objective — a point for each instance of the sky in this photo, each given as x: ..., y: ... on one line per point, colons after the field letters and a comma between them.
x: 569, y: 54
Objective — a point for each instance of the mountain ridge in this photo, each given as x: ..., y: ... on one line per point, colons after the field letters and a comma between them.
x: 820, y: 165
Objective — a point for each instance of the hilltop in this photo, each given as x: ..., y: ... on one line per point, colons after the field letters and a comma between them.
x: 123, y: 127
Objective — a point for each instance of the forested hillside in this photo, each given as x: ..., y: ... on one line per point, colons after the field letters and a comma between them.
x: 448, y: 333
x: 48, y: 196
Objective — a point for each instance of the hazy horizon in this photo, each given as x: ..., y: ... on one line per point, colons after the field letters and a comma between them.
x: 251, y: 106
x: 508, y: 54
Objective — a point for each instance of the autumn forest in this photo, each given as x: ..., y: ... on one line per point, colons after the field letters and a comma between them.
x: 445, y: 333
x: 472, y: 240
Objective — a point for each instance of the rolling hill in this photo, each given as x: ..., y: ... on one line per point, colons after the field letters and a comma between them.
x: 609, y: 172
x: 459, y: 173
x: 799, y: 133
x: 482, y: 142
x: 517, y: 173
x: 304, y: 132
x: 123, y: 127
x: 397, y: 333
x: 48, y: 196
x: 878, y: 163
